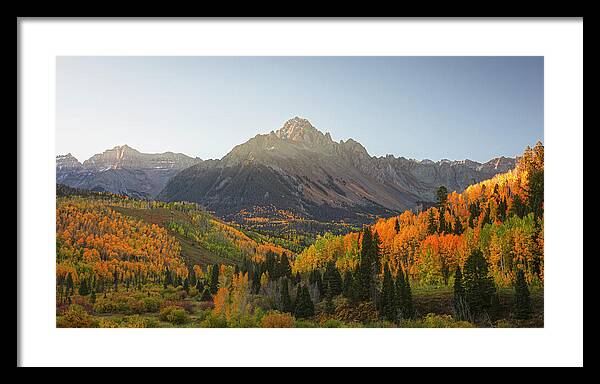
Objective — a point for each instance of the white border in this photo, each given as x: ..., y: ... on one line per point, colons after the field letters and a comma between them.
x: 559, y: 343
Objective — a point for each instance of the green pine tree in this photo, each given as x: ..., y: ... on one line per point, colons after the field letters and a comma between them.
x: 214, y: 278
x: 431, y: 224
x: 304, y: 305
x: 329, y: 307
x: 256, y: 282
x: 366, y: 266
x: 407, y: 300
x: 286, y: 301
x: 206, y: 296
x: 285, y: 269
x: 399, y: 291
x: 332, y: 279
x: 83, y: 288
x: 186, y: 285
x: 459, y: 303
x: 458, y: 228
x: 387, y: 298
x: 522, y: 299
x: 479, y: 286
x: 69, y: 285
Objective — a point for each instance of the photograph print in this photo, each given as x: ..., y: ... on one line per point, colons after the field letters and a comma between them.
x: 299, y: 192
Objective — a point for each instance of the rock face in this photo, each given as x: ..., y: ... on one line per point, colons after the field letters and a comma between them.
x: 122, y: 170
x: 300, y: 169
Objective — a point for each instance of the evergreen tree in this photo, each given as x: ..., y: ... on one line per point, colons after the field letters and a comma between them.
x: 459, y: 303
x: 474, y: 212
x: 501, y: 210
x: 397, y: 226
x: 214, y: 279
x: 332, y: 279
x: 387, y: 300
x: 329, y: 307
x: 167, y: 279
x: 377, y: 250
x: 479, y: 286
x: 487, y: 218
x: 366, y: 266
x: 270, y: 264
x: 116, y: 280
x: 200, y: 285
x: 83, y: 288
x: 399, y: 291
x: 350, y: 287
x: 304, y: 305
x: 192, y: 276
x: 431, y: 225
x: 442, y: 196
x: 517, y: 208
x: 458, y: 228
x: 407, y: 300
x: 298, y: 278
x: 522, y: 299
x: 286, y: 301
x: 186, y: 285
x: 442, y: 199
x: 93, y: 297
x: 256, y: 282
x: 285, y: 269
x: 69, y: 285
x: 206, y: 296
x: 315, y: 278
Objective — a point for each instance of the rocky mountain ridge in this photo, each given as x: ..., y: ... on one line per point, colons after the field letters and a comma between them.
x: 300, y: 169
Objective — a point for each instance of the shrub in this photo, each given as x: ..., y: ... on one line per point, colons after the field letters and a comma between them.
x: 436, y: 321
x: 151, y: 322
x: 277, y: 320
x: 107, y: 323
x: 244, y: 321
x: 188, y: 306
x: 151, y: 304
x: 173, y: 314
x: 300, y: 323
x: 332, y: 323
x: 213, y: 321
x: 75, y: 317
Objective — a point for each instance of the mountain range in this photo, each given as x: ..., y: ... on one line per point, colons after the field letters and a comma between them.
x: 296, y: 168
x: 122, y: 170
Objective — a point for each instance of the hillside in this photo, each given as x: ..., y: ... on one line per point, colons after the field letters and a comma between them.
x: 502, y: 216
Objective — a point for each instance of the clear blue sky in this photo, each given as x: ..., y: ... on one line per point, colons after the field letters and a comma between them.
x: 416, y: 107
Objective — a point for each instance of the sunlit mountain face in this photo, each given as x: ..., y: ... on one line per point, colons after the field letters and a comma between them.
x: 303, y: 172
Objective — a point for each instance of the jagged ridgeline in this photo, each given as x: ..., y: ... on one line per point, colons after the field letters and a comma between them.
x: 106, y: 239
x: 304, y: 172
x: 502, y: 217
x: 296, y: 171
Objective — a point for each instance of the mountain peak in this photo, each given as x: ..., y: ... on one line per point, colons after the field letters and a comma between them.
x: 297, y: 129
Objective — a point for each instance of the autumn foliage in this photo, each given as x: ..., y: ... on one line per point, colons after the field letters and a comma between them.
x: 502, y: 216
